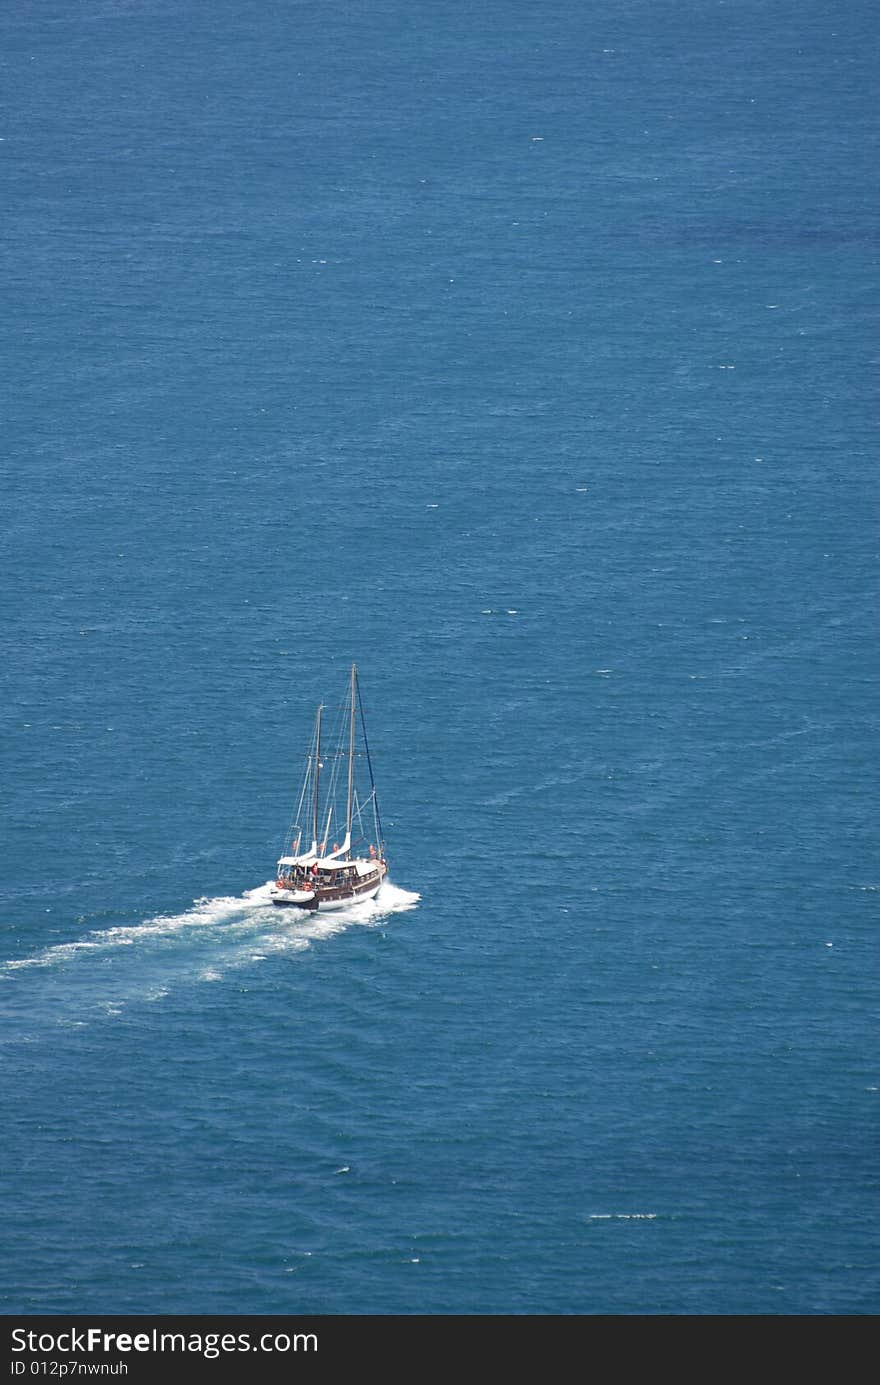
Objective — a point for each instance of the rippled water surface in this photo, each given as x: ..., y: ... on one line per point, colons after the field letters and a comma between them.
x: 522, y: 355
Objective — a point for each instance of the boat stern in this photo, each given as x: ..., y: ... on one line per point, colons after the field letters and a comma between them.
x: 299, y: 899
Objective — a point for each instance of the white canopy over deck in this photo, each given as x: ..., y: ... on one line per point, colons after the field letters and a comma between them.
x: 329, y: 863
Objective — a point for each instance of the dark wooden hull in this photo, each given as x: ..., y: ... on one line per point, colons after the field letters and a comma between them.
x: 329, y: 898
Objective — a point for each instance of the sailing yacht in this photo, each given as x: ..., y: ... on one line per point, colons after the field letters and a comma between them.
x: 321, y: 879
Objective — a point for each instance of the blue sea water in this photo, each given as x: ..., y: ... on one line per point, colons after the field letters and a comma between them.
x: 524, y: 354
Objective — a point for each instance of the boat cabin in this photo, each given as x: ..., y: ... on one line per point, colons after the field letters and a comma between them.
x: 310, y: 872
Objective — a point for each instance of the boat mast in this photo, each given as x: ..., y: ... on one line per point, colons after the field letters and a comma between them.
x: 379, y: 830
x: 350, y: 763
x: 315, y: 785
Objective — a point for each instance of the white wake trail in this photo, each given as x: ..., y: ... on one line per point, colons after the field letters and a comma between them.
x: 226, y: 919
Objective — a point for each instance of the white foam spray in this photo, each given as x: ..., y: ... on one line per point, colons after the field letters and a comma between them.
x: 145, y: 960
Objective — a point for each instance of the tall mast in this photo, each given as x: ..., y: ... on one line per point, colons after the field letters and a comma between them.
x: 317, y: 770
x: 370, y: 767
x: 350, y: 761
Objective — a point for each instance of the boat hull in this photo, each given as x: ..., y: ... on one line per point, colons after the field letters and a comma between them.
x: 323, y: 901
